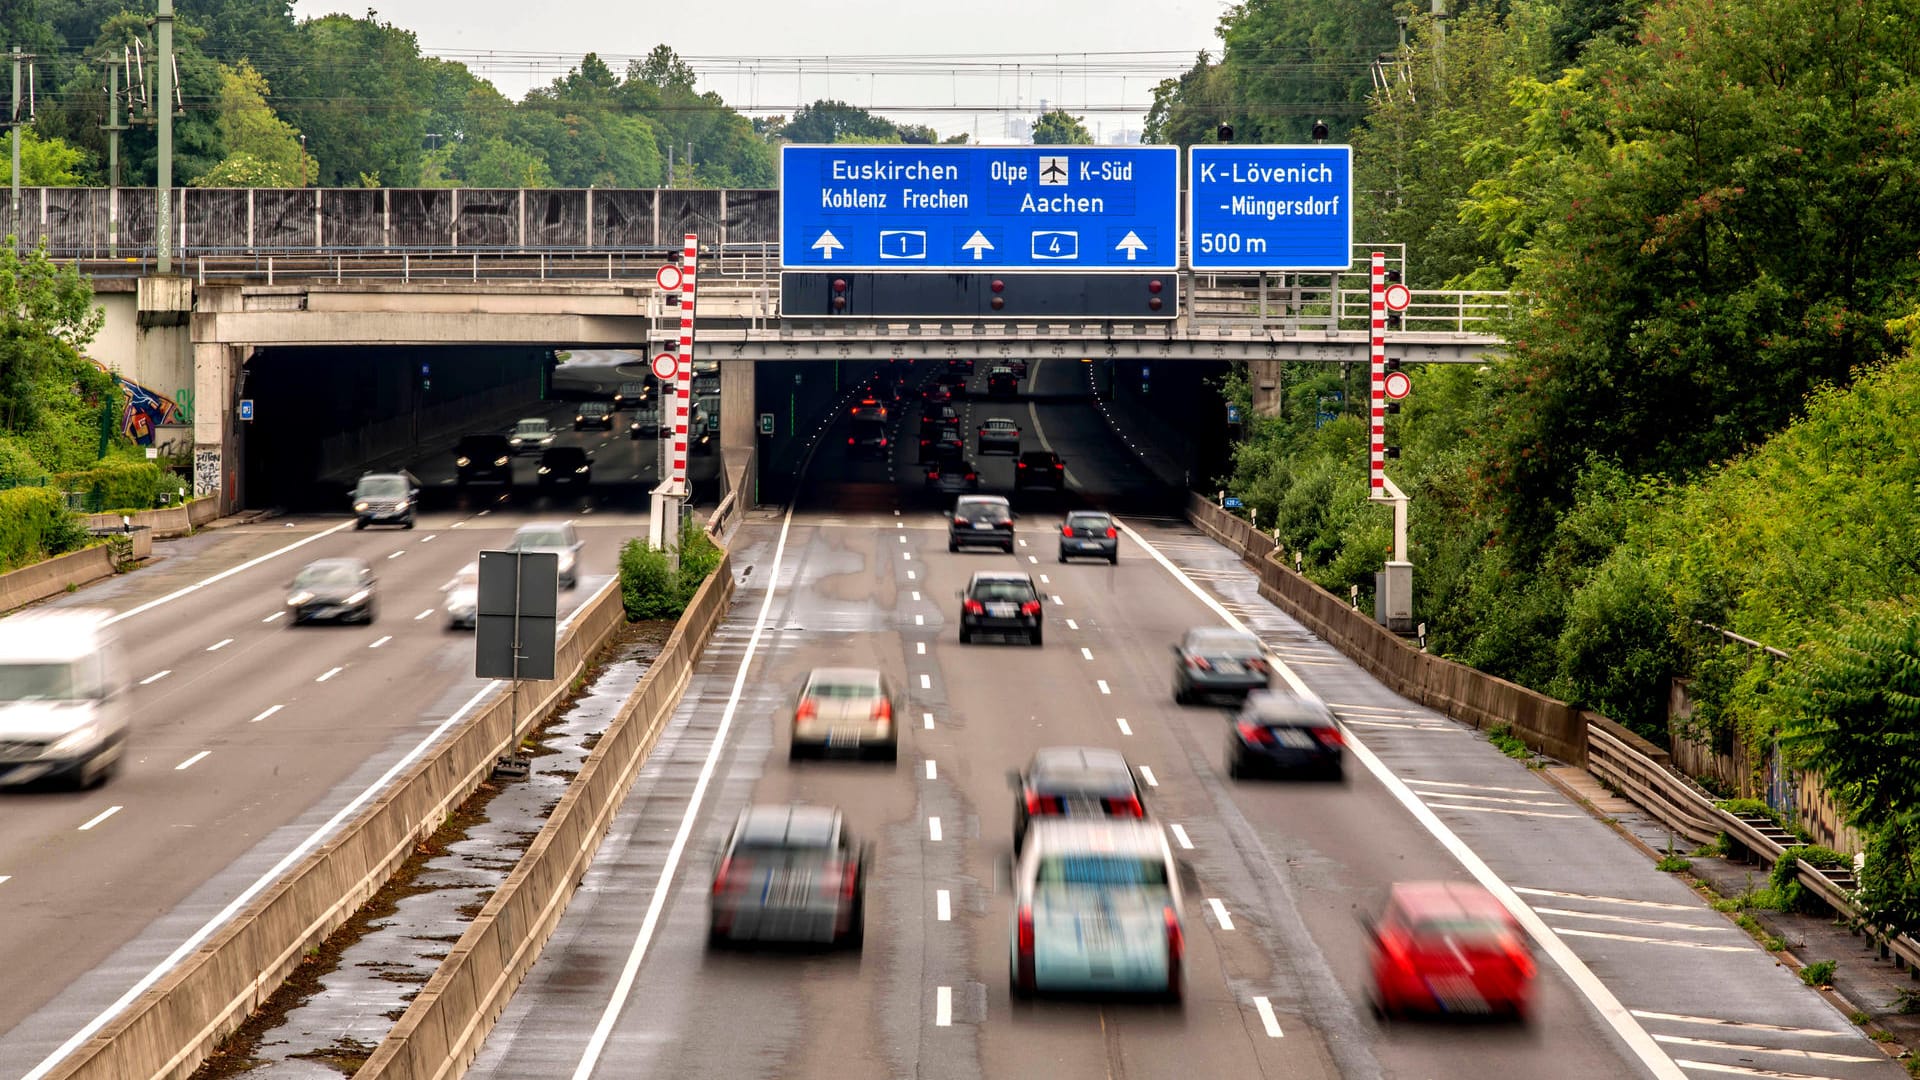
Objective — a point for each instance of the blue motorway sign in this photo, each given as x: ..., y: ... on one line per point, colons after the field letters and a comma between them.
x: 246, y: 408
x: 1270, y: 207
x: 1231, y: 502
x: 864, y: 207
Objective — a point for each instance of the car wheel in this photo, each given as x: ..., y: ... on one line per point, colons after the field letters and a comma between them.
x: 359, y: 523
x: 1035, y: 637
x: 1182, y: 695
x: 1063, y: 556
x: 1235, y: 770
x: 952, y: 547
x: 966, y: 636
x: 890, y: 752
x: 409, y: 523
x: 1113, y: 560
x: 1009, y: 547
x: 1015, y: 990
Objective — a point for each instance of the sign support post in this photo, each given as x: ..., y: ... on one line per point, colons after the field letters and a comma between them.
x: 1393, y: 596
x: 663, y: 523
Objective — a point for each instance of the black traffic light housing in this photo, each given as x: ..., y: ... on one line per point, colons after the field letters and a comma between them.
x: 1224, y: 134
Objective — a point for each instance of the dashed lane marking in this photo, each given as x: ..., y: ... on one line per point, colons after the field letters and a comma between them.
x: 266, y: 712
x: 942, y: 905
x: 101, y: 816
x: 1525, y: 891
x: 397, y: 554
x: 1638, y: 940
x: 192, y: 761
x: 943, y: 1007
x: 1086, y: 653
x: 926, y: 718
x: 1180, y: 837
x: 1104, y: 688
x: 381, y: 642
x: 423, y: 614
x: 1124, y: 729
x: 932, y: 772
x: 331, y: 672
x: 1267, y: 1019
x: 1071, y: 625
x: 1146, y: 773
x: 156, y: 676
x: 920, y: 648
x: 920, y: 620
x: 273, y: 616
x: 1220, y: 913
x: 933, y: 829
x: 926, y: 681
x: 221, y: 644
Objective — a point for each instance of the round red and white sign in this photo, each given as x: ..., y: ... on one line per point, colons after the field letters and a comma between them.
x: 1398, y: 296
x: 1397, y: 385
x: 666, y: 366
x: 668, y: 277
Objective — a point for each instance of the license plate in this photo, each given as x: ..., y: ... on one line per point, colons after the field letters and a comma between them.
x: 1001, y: 610
x: 843, y: 738
x: 1230, y: 667
x: 983, y: 524
x: 1089, y: 545
x: 1298, y: 740
x: 787, y: 888
x: 1457, y: 994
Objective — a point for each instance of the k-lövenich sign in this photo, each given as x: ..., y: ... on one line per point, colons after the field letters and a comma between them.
x: 1270, y: 207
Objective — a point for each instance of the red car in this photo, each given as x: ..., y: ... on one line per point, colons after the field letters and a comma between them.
x: 1449, y: 948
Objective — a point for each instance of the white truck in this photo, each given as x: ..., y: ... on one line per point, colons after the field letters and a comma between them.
x: 63, y: 698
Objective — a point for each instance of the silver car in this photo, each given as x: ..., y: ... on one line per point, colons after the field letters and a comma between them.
x: 789, y: 873
x: 559, y: 537
x: 848, y: 710
x: 1213, y: 660
x: 463, y: 598
x: 1096, y: 908
x: 530, y: 436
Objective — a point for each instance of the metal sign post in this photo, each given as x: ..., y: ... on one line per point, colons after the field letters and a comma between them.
x: 663, y: 523
x: 1393, y: 599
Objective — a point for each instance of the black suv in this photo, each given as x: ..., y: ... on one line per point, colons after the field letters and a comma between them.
x: 593, y: 414
x: 981, y: 519
x: 1000, y: 602
x: 565, y: 465
x: 1002, y: 382
x: 484, y: 457
x: 385, y: 499
x: 1040, y: 469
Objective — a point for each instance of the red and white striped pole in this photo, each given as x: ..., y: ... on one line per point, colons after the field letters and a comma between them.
x: 683, y: 376
x: 1377, y: 388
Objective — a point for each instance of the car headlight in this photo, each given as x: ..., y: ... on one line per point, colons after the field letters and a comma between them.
x: 357, y: 597
x: 462, y: 461
x: 501, y: 460
x: 547, y: 439
x: 79, y: 738
x: 516, y: 440
x: 299, y: 598
x: 566, y: 560
x: 402, y: 504
x: 577, y: 417
x: 361, y: 506
x: 583, y: 468
x: 544, y: 470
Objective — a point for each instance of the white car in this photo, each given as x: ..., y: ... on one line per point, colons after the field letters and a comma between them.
x: 559, y: 537
x: 530, y: 436
x: 1096, y: 908
x: 463, y: 598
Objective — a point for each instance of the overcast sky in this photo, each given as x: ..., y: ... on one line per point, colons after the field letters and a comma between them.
x: 958, y: 66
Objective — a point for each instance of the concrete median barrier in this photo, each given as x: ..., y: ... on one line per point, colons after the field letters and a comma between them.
x: 54, y: 576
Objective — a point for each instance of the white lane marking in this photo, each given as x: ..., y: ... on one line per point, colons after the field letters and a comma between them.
x: 933, y: 829
x: 192, y: 761
x: 1104, y: 688
x: 1664, y: 924
x: 943, y: 1007
x: 926, y: 681
x: 397, y: 554
x: 932, y: 772
x: 266, y: 712
x: 1267, y: 1019
x: 617, y: 1001
x: 1023, y: 543
x: 428, y: 539
x: 909, y: 575
x: 899, y: 524
x: 1124, y: 729
x: 1638, y: 940
x: 221, y: 644
x: 1474, y: 787
x: 222, y: 576
x: 942, y: 905
x: 1056, y: 599
x: 920, y: 648
x: 906, y: 555
x: 273, y: 616
x: 457, y: 524
x: 1398, y: 725
x: 1499, y: 810
x: 1071, y: 625
x: 423, y: 615
x: 1146, y: 772
x: 1034, y: 559
x: 1562, y: 954
x: 916, y: 596
x: 920, y: 620
x: 1044, y: 581
x: 1501, y: 799
x: 1743, y: 1070
x: 896, y: 513
x: 1744, y: 1025
x: 102, y: 816
x: 903, y: 539
x: 1220, y: 913
x: 927, y: 719
x: 1086, y: 653
x: 1180, y: 837
x: 381, y: 642
x: 483, y: 513
x: 1525, y: 891
x: 331, y: 672
x: 4, y: 878
x: 1804, y: 1055
x: 156, y: 676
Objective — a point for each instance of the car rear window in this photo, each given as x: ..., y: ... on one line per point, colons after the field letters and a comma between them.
x: 333, y: 574
x: 1461, y: 929
x: 843, y: 690
x: 1224, y: 643
x: 542, y: 538
x: 1002, y: 590
x: 1101, y: 870
x: 1081, y: 781
x: 983, y: 512
x: 1089, y: 521
x: 480, y: 444
x: 1041, y: 458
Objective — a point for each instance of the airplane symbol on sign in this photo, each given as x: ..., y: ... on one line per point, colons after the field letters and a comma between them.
x: 1053, y: 172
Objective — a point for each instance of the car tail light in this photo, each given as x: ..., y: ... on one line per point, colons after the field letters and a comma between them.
x: 1031, y: 607
x: 1112, y: 532
x: 1255, y: 733
x: 849, y: 440
x: 975, y: 607
x: 1021, y: 465
x: 1126, y: 807
x: 1023, y: 942
x: 1397, y: 954
x: 1061, y: 465
x: 1045, y: 804
x: 1518, y: 956
x: 973, y: 476
x: 882, y: 710
x: 1200, y: 663
x: 959, y: 521
x: 842, y: 882
x: 1066, y: 530
x: 807, y: 710
x: 1176, y: 937
x: 1329, y: 736
x: 1255, y: 663
x: 723, y: 878
x: 933, y: 474
x: 883, y: 440
x: 983, y: 431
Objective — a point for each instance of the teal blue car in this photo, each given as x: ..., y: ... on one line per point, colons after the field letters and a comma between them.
x: 1096, y: 910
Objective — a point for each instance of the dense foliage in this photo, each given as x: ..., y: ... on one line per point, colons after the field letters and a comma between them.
x: 650, y: 588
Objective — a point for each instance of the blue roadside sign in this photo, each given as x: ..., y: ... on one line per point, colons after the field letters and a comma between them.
x: 1270, y: 207
x: 1232, y: 502
x: 246, y: 408
x: 947, y: 208
x: 1233, y: 414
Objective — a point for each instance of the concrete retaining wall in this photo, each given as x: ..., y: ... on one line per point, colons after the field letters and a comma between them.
x: 445, y: 1025
x: 176, y: 1024
x: 52, y: 576
x: 1549, y: 726
x: 165, y: 523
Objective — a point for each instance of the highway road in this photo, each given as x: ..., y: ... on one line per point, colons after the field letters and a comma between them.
x: 251, y: 736
x: 1639, y: 978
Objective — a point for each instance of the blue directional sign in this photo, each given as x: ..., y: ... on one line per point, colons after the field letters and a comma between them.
x: 1270, y: 207
x: 992, y: 208
x: 1232, y: 502
x: 246, y: 408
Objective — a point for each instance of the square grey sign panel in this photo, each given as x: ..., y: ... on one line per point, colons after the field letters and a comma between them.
x: 518, y: 624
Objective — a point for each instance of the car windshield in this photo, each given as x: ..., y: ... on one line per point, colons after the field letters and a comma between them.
x: 334, y: 574
x: 843, y: 690
x: 530, y: 427
x: 534, y: 539
x: 1002, y: 590
x: 382, y: 487
x: 593, y: 408
x: 1101, y: 871
x: 38, y: 682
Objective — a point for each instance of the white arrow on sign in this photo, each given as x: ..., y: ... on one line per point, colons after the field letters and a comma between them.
x: 978, y: 244
x: 1131, y: 244
x: 827, y: 244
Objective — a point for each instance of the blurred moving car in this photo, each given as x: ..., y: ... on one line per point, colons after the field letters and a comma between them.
x: 936, y: 394
x: 631, y: 393
x: 1086, y: 534
x: 593, y: 414
x: 943, y: 444
x: 1002, y: 382
x: 1019, y: 367
x: 530, y: 436
x: 962, y: 366
x: 789, y: 873
x: 1096, y: 907
x: 385, y: 499
x: 1448, y: 947
x: 463, y: 598
x: 954, y: 381
x: 559, y: 537
x: 340, y: 590
x: 867, y: 436
x: 935, y: 418
x: 1283, y: 733
x: 1040, y: 469
x: 953, y: 475
x: 999, y: 434
x: 63, y: 698
x: 567, y: 465
x: 981, y: 519
x: 1075, y: 782
x: 1001, y: 602
x: 844, y: 709
x: 1215, y: 660
x: 483, y: 457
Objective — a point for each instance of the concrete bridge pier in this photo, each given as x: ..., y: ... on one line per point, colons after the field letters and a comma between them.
x: 739, y: 428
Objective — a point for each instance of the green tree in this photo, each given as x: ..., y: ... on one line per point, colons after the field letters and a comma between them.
x: 1855, y: 694
x: 1057, y: 127
x: 262, y: 149
x: 360, y: 91
x: 831, y: 121
x: 47, y: 162
x: 50, y: 393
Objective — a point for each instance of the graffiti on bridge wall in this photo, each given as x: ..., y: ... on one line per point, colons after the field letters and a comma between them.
x: 145, y: 410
